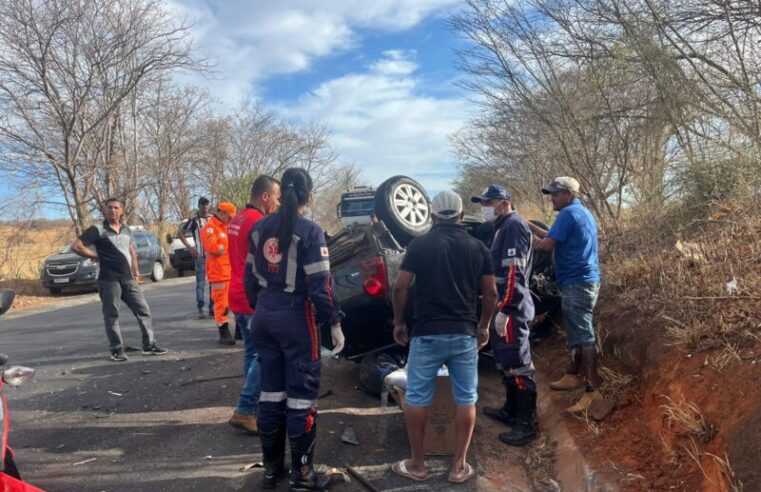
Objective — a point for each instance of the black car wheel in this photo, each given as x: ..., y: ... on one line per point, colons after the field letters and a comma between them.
x: 55, y: 291
x: 157, y: 273
x: 403, y: 205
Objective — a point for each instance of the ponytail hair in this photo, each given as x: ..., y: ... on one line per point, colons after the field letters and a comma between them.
x: 296, y: 185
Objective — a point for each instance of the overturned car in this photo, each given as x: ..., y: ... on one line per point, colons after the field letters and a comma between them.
x: 365, y: 257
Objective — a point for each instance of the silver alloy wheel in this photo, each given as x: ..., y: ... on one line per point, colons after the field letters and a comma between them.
x: 158, y: 271
x: 410, y: 205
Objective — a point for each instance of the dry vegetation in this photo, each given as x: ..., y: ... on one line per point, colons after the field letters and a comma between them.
x: 24, y: 248
x: 707, y: 290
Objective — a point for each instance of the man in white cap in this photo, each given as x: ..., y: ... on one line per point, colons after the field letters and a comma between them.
x: 573, y: 238
x: 450, y: 269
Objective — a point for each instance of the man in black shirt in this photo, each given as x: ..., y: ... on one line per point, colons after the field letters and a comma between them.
x: 450, y: 268
x: 119, y: 275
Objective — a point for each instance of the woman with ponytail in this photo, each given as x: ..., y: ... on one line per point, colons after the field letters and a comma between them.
x: 288, y: 284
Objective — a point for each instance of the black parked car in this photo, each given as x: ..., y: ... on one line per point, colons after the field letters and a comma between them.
x: 67, y: 269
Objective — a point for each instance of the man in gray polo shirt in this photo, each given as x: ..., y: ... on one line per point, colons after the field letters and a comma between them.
x: 111, y: 244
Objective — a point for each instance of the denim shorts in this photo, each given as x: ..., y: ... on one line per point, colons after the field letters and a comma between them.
x: 578, y: 304
x: 428, y: 354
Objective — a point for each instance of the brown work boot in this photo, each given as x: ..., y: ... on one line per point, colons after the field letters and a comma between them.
x: 586, y: 400
x: 568, y: 382
x: 246, y: 423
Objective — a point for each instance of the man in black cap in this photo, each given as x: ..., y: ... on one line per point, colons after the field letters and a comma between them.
x: 194, y: 226
x: 511, y: 254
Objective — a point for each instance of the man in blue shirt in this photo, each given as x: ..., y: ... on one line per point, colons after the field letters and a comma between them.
x: 573, y: 238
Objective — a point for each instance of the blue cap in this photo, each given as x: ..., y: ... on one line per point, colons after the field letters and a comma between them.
x: 493, y: 192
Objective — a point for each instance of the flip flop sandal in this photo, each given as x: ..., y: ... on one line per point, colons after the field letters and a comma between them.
x: 400, y: 469
x: 470, y: 472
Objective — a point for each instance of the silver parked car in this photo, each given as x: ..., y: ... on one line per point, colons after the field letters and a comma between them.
x: 68, y: 270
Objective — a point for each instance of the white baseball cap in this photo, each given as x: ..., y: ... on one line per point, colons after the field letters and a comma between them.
x: 562, y: 183
x: 446, y: 205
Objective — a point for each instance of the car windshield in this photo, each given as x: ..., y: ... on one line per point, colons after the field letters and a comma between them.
x: 357, y: 207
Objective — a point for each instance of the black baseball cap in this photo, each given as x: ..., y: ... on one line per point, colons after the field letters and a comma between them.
x: 493, y: 192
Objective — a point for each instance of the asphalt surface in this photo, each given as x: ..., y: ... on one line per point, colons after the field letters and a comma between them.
x: 158, y: 423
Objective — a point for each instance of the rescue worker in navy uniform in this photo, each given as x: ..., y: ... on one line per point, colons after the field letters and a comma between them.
x: 289, y: 286
x: 511, y: 252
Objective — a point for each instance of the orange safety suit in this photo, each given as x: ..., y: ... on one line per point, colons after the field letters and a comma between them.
x: 215, y: 243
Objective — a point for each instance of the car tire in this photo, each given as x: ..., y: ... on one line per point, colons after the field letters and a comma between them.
x: 157, y: 272
x: 404, y: 206
x: 180, y: 272
x: 56, y: 291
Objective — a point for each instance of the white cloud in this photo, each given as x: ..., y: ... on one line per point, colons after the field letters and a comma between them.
x: 379, y: 119
x: 255, y: 40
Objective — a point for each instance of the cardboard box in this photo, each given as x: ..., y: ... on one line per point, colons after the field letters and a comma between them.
x: 439, y: 430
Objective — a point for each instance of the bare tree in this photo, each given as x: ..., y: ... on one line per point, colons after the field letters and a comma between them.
x: 66, y: 67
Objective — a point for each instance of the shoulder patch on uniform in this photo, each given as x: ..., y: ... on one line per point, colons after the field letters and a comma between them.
x: 324, y: 251
x: 511, y: 252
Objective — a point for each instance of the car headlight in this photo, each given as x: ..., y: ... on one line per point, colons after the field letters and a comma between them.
x: 88, y: 263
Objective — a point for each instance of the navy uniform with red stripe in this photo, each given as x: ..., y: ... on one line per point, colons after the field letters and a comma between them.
x: 292, y: 296
x: 512, y: 254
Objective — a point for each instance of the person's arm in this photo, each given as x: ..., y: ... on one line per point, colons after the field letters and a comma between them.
x: 320, y: 286
x: 81, y: 245
x: 211, y: 242
x: 488, y: 305
x: 250, y: 278
x: 135, y: 264
x: 558, y: 233
x: 547, y: 244
x: 191, y: 224
x: 401, y: 291
x: 536, y: 230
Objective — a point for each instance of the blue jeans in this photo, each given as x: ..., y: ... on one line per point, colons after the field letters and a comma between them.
x: 427, y: 355
x: 578, y: 304
x: 248, y: 403
x: 201, y: 286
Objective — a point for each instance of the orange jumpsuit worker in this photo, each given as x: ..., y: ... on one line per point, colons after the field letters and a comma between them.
x: 215, y: 243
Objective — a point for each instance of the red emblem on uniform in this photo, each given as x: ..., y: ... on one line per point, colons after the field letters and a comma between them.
x: 272, y: 251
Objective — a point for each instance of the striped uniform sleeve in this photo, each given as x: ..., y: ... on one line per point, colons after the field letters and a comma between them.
x: 253, y: 281
x: 320, y: 286
x: 514, y: 262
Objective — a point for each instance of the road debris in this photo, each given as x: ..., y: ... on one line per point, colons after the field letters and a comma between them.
x: 115, y: 393
x: 251, y: 466
x: 362, y: 479
x: 325, y: 395
x: 83, y: 462
x: 210, y: 457
x: 349, y: 436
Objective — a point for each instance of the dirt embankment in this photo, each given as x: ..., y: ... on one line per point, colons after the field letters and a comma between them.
x: 683, y: 421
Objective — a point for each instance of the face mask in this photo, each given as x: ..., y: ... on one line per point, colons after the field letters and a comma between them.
x: 487, y: 213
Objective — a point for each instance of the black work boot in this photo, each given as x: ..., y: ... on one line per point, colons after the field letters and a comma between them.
x: 303, y: 476
x: 506, y: 413
x: 224, y: 335
x: 523, y: 431
x: 273, y: 449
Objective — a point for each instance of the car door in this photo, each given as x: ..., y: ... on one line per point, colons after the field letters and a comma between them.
x: 144, y: 256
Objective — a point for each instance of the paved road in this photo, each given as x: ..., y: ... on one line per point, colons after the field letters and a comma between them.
x: 158, y: 423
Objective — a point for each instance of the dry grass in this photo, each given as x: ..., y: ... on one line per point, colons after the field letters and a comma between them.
x: 708, y: 292
x: 725, y: 468
x: 727, y: 472
x: 614, y: 381
x: 22, y: 249
x: 687, y: 420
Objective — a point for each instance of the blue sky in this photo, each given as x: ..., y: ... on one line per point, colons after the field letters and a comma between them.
x: 379, y: 74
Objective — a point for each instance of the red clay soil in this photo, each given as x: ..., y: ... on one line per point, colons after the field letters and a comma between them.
x: 637, y: 443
